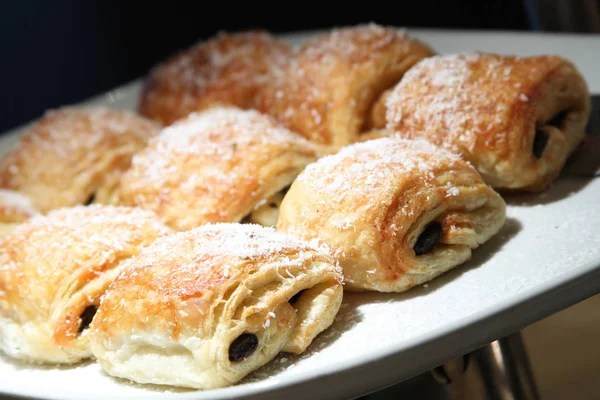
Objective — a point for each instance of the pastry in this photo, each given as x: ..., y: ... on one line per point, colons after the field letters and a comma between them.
x: 218, y: 165
x: 74, y: 155
x: 395, y: 212
x: 516, y: 119
x: 205, y: 307
x: 14, y: 209
x: 227, y: 69
x: 329, y: 89
x: 55, y: 267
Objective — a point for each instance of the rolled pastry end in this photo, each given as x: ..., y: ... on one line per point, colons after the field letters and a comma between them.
x: 516, y: 119
x: 333, y: 88
x: 443, y: 237
x: 396, y: 212
x: 57, y: 267
x: 562, y: 108
x: 204, y: 308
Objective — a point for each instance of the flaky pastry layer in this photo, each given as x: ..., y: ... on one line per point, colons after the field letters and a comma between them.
x: 53, y: 270
x: 328, y: 90
x: 206, y: 307
x: 396, y: 212
x: 516, y: 119
x: 74, y: 155
x: 227, y: 69
x: 218, y: 165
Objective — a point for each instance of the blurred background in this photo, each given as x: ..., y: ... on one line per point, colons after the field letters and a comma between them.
x: 64, y: 51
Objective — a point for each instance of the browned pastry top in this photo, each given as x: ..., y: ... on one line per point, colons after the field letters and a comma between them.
x: 214, y: 166
x: 71, y: 152
x: 472, y: 95
x: 15, y: 207
x: 488, y: 107
x: 179, y: 276
x: 327, y: 87
x: 48, y: 260
x: 227, y: 69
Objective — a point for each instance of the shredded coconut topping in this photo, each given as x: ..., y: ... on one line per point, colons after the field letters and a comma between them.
x: 195, y: 260
x: 358, y: 174
x: 208, y: 162
x: 97, y: 228
x: 71, y: 151
x: 306, y: 89
x: 244, y: 241
x: 69, y: 131
x: 463, y: 99
x: 242, y: 58
x: 226, y: 69
x: 362, y: 168
x: 354, y: 43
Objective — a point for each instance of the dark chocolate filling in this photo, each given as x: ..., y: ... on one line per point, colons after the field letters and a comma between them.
x: 243, y: 347
x: 86, y: 317
x: 428, y: 239
x: 90, y: 199
x: 540, y: 141
x: 295, y: 297
x: 285, y: 190
x: 559, y: 119
x: 283, y: 193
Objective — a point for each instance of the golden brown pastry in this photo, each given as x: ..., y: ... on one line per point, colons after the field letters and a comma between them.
x: 206, y: 307
x: 14, y: 209
x: 219, y: 165
x: 227, y: 69
x: 395, y: 212
x: 54, y: 269
x: 516, y: 119
x: 328, y: 89
x: 74, y: 155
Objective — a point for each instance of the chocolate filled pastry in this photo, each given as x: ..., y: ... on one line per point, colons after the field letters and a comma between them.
x: 206, y: 307
x: 516, y: 119
x: 219, y: 165
x: 74, y: 155
x: 14, y: 209
x: 227, y: 69
x: 54, y: 269
x: 395, y: 212
x: 330, y: 90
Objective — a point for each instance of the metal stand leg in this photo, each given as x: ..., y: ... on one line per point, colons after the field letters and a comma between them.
x: 498, y: 371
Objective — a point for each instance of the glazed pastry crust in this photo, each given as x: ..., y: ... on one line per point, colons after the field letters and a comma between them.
x: 372, y: 200
x: 489, y: 107
x: 214, y: 166
x: 327, y: 89
x: 171, y: 315
x: 225, y: 70
x: 54, y: 266
x: 74, y: 153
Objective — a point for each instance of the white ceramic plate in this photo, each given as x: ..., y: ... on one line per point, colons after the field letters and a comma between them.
x: 545, y: 259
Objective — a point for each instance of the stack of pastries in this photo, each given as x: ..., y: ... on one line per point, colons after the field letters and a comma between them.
x: 189, y: 242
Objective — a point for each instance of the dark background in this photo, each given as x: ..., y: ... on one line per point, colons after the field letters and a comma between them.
x: 61, y: 52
